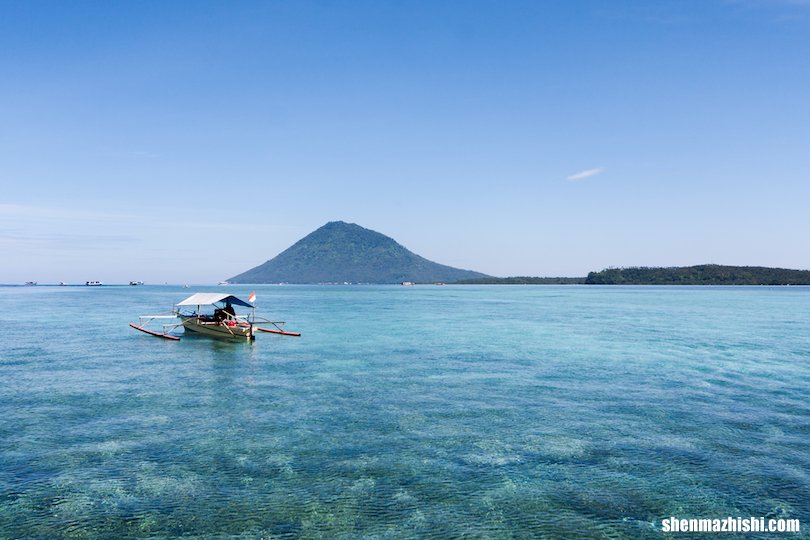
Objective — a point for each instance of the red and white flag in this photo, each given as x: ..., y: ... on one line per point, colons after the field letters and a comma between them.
x: 252, y: 297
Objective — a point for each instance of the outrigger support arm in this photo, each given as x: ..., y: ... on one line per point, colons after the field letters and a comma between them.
x: 278, y: 329
x: 153, y: 333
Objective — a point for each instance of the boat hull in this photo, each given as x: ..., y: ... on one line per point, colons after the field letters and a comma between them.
x: 217, y: 329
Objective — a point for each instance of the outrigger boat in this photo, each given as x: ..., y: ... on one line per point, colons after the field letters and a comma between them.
x: 222, y: 323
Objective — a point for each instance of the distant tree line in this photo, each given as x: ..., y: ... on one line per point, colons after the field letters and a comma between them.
x: 706, y: 274
x: 523, y: 280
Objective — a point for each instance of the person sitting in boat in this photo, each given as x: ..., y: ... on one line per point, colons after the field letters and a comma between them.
x: 225, y: 313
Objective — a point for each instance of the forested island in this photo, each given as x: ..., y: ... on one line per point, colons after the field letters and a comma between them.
x: 705, y: 274
x: 340, y: 252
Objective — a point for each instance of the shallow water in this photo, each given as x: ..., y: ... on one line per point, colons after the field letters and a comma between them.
x: 434, y: 412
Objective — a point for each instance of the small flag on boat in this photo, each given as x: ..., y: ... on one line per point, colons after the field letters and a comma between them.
x: 252, y: 297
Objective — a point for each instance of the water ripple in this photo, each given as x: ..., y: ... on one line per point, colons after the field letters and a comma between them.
x: 578, y: 413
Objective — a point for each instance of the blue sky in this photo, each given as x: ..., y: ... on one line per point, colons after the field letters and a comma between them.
x: 190, y: 141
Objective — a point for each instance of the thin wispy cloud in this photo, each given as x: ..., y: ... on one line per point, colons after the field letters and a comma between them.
x: 56, y: 221
x: 10, y: 238
x: 587, y: 173
x: 43, y: 213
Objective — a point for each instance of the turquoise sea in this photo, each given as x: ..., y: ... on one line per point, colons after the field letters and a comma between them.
x: 406, y: 412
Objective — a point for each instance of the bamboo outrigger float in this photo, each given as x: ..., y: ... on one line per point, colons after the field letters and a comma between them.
x: 223, y: 323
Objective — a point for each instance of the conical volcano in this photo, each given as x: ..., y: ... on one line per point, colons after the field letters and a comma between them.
x: 342, y: 252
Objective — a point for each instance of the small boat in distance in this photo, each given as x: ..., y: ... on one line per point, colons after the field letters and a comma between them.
x: 224, y: 283
x: 30, y: 283
x: 62, y: 283
x: 93, y: 283
x: 136, y: 282
x: 219, y: 320
x: 407, y: 283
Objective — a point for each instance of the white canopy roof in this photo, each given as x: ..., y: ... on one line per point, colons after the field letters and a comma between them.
x: 207, y: 298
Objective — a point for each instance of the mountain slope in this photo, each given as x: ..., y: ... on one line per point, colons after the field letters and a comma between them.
x: 344, y: 252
